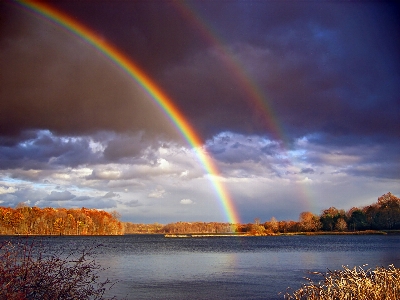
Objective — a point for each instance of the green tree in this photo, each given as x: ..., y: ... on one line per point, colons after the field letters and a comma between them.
x: 358, y: 220
x: 329, y: 218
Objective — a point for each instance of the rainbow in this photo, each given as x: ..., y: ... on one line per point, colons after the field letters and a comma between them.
x: 160, y: 98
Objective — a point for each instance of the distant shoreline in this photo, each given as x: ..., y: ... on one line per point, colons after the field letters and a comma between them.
x: 201, y: 235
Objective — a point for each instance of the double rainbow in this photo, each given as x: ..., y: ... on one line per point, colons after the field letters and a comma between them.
x: 159, y: 97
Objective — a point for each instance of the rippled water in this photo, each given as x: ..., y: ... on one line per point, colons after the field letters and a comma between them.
x: 154, y: 267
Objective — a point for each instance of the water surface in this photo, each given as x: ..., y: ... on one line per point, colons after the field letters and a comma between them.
x: 154, y: 267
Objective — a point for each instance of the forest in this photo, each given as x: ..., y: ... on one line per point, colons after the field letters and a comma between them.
x: 58, y: 221
x: 382, y: 215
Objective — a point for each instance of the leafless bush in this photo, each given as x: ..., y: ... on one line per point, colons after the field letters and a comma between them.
x: 27, y: 272
x: 356, y: 283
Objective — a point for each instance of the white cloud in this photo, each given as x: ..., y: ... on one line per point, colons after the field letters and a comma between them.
x: 7, y: 190
x: 157, y: 193
x: 106, y: 173
x: 305, y: 180
x: 186, y: 201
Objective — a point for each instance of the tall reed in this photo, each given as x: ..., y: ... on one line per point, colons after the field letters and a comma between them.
x: 377, y: 284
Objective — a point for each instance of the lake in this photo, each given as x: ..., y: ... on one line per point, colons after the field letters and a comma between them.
x: 155, y: 267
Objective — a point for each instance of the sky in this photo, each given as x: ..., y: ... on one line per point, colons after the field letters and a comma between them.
x: 296, y: 103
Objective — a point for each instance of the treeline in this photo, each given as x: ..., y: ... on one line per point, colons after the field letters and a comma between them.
x: 382, y: 215
x: 58, y: 221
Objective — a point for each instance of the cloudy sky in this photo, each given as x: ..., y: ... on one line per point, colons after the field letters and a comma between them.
x: 297, y: 103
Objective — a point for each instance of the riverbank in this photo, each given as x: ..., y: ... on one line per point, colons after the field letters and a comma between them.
x: 234, y: 234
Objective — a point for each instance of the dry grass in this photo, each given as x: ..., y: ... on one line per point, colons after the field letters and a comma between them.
x: 357, y: 283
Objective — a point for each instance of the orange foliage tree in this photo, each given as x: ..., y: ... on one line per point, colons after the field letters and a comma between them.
x: 58, y: 221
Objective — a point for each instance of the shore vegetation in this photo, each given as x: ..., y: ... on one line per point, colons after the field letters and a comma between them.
x: 27, y: 271
x: 371, y: 284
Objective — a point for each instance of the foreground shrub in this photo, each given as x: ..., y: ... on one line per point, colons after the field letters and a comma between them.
x: 356, y: 283
x: 27, y: 273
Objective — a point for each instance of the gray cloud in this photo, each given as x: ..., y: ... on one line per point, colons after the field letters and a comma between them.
x: 131, y: 203
x: 111, y: 195
x: 42, y: 150
x: 59, y: 196
x: 307, y: 171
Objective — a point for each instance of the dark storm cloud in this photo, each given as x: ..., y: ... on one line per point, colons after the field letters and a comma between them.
x: 153, y: 33
x: 333, y: 80
x: 52, y: 80
x: 322, y: 67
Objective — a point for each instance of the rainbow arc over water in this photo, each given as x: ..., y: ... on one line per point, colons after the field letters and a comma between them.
x: 149, y: 86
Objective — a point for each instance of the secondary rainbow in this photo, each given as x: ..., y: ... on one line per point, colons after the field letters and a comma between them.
x: 255, y: 95
x: 160, y: 98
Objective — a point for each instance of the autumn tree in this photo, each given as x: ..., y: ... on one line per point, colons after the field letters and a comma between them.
x: 341, y: 225
x: 288, y: 226
x: 385, y: 214
x: 309, y: 222
x: 60, y: 221
x: 389, y: 211
x: 272, y: 225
